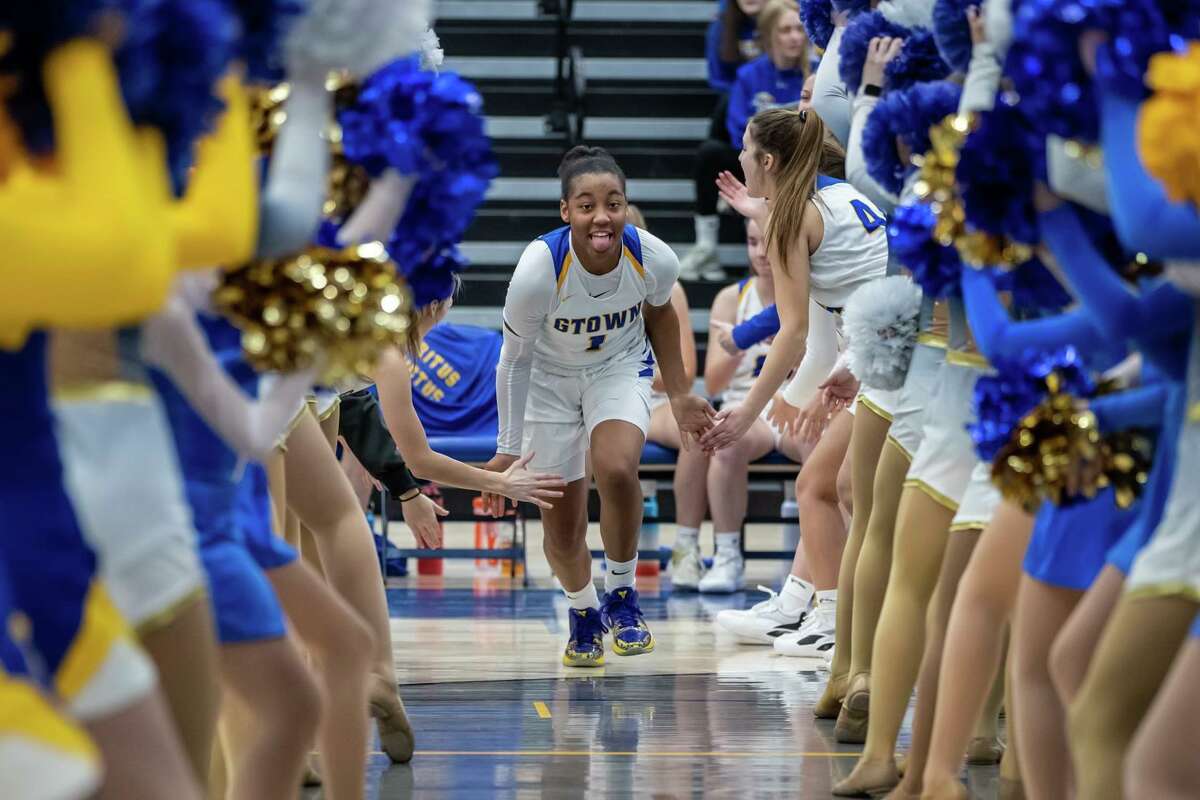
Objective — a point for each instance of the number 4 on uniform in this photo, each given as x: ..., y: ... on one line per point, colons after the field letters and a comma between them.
x: 596, y: 342
x: 868, y: 216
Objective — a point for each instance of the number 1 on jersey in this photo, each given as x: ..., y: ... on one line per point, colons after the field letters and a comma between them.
x: 597, y: 341
x: 868, y: 216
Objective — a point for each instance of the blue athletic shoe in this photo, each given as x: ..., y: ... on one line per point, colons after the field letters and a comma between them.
x: 586, y: 646
x: 622, y: 615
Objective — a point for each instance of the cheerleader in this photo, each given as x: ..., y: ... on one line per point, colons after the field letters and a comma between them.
x: 104, y: 226
x: 823, y: 243
x: 575, y: 373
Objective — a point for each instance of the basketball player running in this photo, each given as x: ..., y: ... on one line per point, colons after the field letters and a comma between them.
x: 587, y: 312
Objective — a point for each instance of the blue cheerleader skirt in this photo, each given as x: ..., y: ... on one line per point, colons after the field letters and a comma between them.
x: 244, y: 604
x: 1071, y: 544
x: 267, y: 549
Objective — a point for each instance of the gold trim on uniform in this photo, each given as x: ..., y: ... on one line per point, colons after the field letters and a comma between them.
x: 969, y: 525
x: 1172, y: 589
x: 162, y: 619
x: 334, y: 406
x: 114, y: 391
x: 933, y: 493
x: 894, y: 442
x: 874, y: 407
x: 964, y: 358
x: 931, y: 339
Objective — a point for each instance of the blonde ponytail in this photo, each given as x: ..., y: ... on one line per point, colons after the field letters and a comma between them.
x: 797, y: 140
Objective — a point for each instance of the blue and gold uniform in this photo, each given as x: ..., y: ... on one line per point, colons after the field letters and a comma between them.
x: 230, y: 507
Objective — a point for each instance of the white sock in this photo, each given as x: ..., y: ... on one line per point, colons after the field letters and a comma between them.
x: 687, y: 538
x: 827, y: 605
x: 707, y: 228
x: 585, y: 597
x: 620, y: 573
x: 796, y: 595
x: 730, y: 542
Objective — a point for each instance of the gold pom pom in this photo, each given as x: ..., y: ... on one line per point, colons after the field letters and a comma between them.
x: 936, y: 185
x: 1127, y: 459
x: 267, y: 114
x: 1055, y: 453
x: 340, y: 306
x: 348, y: 183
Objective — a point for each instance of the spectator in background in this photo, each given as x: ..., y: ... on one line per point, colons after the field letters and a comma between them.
x: 731, y: 40
x: 778, y: 78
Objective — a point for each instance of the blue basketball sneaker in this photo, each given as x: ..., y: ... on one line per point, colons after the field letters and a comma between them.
x: 586, y: 645
x: 622, y: 615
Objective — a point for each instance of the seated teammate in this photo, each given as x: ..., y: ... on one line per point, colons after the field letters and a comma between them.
x: 720, y: 480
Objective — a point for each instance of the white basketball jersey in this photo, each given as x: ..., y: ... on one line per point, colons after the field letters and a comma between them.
x: 749, y: 304
x: 582, y: 330
x: 853, y: 249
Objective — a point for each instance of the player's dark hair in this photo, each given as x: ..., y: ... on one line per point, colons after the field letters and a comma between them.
x: 584, y: 160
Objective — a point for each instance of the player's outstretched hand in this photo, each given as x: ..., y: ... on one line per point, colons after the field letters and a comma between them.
x: 694, y: 415
x: 839, y: 389
x: 813, y: 419
x: 784, y: 416
x: 495, y: 505
x: 725, y: 337
x: 421, y: 516
x: 532, y: 487
x: 732, y: 424
x: 735, y: 193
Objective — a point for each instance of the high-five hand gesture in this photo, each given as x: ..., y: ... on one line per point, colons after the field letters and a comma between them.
x: 734, y: 192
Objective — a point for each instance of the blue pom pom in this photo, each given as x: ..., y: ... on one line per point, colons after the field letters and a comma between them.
x: 817, y: 16
x: 852, y: 52
x: 36, y: 29
x: 1001, y: 399
x: 935, y: 267
x: 1035, y: 288
x: 853, y: 6
x: 906, y: 114
x: 265, y: 23
x: 997, y: 166
x: 1043, y: 62
x: 952, y: 32
x: 918, y: 59
x: 431, y: 127
x: 173, y: 53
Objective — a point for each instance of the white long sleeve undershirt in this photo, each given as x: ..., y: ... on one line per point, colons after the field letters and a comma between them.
x: 820, y: 356
x: 173, y: 342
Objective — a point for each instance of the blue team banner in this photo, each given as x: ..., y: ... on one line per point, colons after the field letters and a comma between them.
x: 454, y: 380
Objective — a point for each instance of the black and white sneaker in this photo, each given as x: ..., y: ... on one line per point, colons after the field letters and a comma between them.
x: 762, y: 623
x: 813, y: 639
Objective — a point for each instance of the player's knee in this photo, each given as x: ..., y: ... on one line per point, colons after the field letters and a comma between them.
x: 615, y: 471
x: 733, y: 457
x: 844, y: 490
x: 812, y: 487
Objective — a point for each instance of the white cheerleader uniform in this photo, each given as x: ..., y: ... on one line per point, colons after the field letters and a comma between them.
x: 945, y: 460
x: 853, y: 251
x: 575, y: 348
x: 748, y: 305
x: 1169, y: 564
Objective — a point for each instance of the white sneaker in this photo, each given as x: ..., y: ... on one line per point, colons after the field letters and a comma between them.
x: 701, y: 260
x: 727, y: 574
x: 763, y: 623
x: 687, y: 570
x: 814, y: 639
